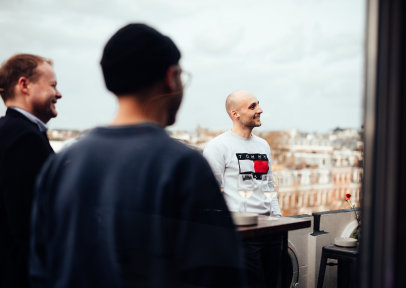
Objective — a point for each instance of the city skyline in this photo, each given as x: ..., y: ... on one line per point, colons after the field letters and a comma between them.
x: 302, y: 59
x: 315, y: 171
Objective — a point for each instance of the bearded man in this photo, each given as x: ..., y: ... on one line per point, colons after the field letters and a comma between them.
x: 28, y: 89
x: 237, y: 152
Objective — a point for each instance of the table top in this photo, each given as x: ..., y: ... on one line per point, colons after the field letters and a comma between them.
x: 265, y: 227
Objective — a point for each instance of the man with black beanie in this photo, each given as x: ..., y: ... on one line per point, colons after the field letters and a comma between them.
x: 127, y: 206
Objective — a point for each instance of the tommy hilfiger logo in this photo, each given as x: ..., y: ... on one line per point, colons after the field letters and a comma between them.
x: 255, y: 164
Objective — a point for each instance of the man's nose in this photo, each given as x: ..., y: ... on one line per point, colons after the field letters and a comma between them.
x: 58, y: 94
x: 259, y: 111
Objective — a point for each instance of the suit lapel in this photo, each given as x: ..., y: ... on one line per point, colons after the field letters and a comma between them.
x: 45, y: 136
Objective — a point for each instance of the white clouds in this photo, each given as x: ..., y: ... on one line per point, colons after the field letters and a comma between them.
x: 302, y: 58
x: 219, y: 39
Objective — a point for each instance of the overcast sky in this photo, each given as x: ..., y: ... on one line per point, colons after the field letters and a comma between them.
x: 303, y: 59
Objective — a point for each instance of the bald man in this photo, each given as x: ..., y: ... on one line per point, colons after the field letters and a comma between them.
x: 237, y: 152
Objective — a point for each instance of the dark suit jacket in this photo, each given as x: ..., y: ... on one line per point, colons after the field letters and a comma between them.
x: 23, y: 151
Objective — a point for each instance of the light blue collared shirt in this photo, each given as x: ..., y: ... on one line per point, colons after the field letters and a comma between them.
x: 41, y: 125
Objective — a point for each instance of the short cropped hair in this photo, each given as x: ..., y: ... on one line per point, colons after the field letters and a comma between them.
x: 17, y: 66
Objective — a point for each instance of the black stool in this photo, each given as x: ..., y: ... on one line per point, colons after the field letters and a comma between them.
x: 347, y: 260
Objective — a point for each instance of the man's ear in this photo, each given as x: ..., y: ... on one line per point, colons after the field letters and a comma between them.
x: 235, y: 114
x: 170, y: 79
x: 22, y: 85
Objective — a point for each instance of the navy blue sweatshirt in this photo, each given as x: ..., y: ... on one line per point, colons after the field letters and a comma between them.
x: 130, y: 207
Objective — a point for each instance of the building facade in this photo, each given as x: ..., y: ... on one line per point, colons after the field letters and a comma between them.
x: 316, y: 171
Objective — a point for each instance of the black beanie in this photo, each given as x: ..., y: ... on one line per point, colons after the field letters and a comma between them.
x: 136, y: 57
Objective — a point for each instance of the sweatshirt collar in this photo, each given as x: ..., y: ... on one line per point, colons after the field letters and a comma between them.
x: 242, y: 138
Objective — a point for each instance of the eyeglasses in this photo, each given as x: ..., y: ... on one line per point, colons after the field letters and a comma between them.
x: 185, y: 77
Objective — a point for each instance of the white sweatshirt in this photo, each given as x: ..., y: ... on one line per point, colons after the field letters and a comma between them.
x: 232, y: 155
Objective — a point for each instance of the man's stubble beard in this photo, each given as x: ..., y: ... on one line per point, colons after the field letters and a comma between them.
x: 45, y: 111
x: 250, y: 124
x: 174, y: 108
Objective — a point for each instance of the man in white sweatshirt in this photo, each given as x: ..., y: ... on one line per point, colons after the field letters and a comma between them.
x: 237, y: 152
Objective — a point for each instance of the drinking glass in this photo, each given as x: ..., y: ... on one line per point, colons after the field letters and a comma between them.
x: 220, y: 180
x: 245, y: 187
x: 270, y: 188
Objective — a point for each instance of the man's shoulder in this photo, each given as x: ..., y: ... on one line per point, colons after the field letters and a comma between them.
x: 16, y: 124
x: 13, y: 130
x: 220, y: 140
x: 260, y: 141
x: 177, y: 149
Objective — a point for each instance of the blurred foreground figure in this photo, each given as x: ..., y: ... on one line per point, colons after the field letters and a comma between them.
x: 238, y: 152
x: 28, y: 89
x: 127, y: 206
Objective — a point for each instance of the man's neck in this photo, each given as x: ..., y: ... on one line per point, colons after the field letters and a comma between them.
x: 242, y: 131
x: 131, y: 111
x: 19, y: 104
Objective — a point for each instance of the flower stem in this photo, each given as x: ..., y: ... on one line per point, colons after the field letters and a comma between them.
x: 353, y: 208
